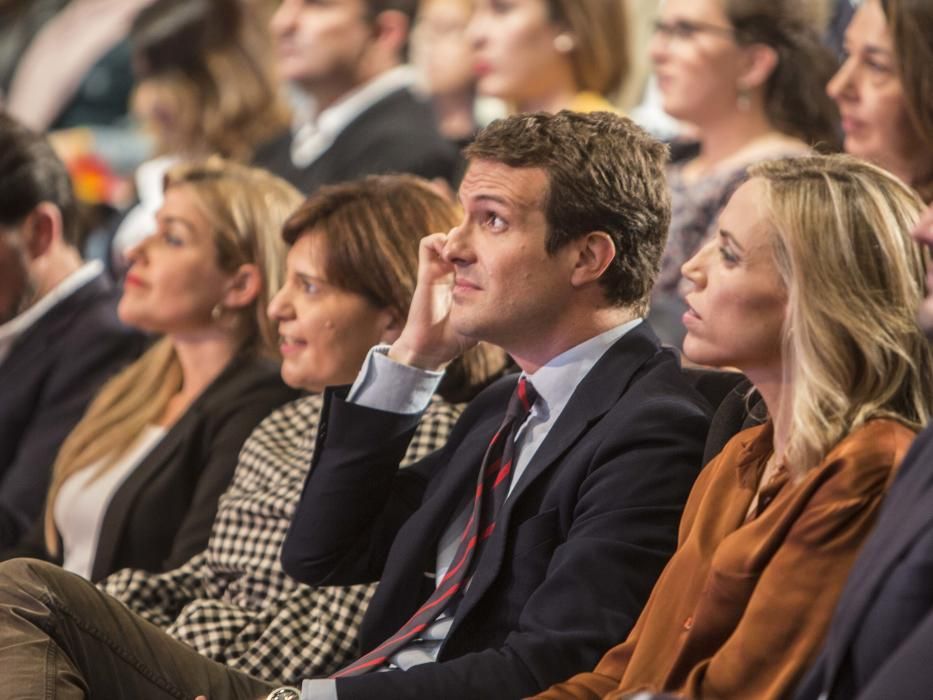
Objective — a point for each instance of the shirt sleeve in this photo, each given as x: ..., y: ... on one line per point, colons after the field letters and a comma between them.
x: 319, y: 689
x: 387, y: 385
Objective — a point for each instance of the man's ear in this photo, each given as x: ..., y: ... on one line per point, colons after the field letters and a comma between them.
x: 759, y: 63
x: 390, y: 30
x: 596, y: 253
x: 243, y: 287
x: 41, y: 229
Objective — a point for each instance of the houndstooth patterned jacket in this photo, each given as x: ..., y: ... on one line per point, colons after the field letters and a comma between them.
x: 232, y: 602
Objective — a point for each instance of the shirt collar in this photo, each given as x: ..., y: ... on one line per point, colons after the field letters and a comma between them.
x: 556, y: 381
x: 15, y: 327
x: 335, y: 118
x: 319, y: 129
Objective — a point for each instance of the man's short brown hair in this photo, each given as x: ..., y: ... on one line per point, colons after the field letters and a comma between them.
x: 605, y: 173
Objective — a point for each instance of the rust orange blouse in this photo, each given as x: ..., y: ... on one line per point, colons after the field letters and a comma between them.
x: 743, y: 605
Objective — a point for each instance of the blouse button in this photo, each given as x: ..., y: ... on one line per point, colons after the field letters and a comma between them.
x: 688, y: 623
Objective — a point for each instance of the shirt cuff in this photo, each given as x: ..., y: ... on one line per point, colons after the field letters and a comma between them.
x: 387, y: 385
x: 319, y: 689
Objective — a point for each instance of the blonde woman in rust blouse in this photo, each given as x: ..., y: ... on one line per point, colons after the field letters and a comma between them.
x: 810, y: 288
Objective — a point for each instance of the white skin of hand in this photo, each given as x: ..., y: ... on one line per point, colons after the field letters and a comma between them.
x: 428, y: 341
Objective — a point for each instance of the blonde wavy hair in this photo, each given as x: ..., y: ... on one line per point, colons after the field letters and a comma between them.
x: 246, y: 208
x: 852, y: 345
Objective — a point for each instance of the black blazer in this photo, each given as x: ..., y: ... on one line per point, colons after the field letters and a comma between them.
x: 52, y: 372
x: 162, y: 514
x: 870, y: 651
x: 398, y: 134
x: 573, y: 557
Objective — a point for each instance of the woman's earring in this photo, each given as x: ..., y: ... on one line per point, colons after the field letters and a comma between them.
x: 564, y: 43
x: 217, y: 312
x: 743, y: 100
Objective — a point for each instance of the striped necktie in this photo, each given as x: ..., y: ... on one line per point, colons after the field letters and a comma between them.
x: 491, y: 490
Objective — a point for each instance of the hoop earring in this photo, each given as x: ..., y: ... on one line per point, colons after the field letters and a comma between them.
x: 564, y: 43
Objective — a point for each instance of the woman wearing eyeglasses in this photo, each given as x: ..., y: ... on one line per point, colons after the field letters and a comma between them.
x: 749, y: 77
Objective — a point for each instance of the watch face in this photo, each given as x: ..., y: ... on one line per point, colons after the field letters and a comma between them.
x: 287, y: 693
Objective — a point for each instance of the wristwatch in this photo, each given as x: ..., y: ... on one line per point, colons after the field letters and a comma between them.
x: 286, y: 692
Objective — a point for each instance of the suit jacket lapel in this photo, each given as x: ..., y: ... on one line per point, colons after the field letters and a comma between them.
x: 124, y: 498
x: 118, y: 510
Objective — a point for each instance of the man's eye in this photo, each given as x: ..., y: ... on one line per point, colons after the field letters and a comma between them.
x: 495, y: 221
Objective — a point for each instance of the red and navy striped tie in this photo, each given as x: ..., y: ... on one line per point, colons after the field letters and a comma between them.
x: 491, y: 489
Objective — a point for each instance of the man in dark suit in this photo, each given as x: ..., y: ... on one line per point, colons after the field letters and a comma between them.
x: 357, y: 114
x: 60, y: 338
x: 565, y: 220
x: 879, y: 644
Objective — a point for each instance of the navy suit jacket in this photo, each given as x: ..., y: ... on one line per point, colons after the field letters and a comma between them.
x: 54, y: 369
x: 880, y: 641
x: 397, y: 134
x: 575, y: 552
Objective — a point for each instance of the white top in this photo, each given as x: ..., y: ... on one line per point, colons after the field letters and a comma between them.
x: 83, y: 500
x: 19, y: 324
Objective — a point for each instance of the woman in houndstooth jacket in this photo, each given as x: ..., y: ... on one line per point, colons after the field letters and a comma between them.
x: 351, y: 273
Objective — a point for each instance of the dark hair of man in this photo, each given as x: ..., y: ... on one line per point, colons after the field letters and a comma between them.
x: 31, y: 173
x: 407, y: 7
x: 605, y: 173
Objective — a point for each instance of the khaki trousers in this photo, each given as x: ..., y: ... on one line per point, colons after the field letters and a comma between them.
x: 63, y: 639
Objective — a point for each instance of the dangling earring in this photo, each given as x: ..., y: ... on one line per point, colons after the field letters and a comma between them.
x: 217, y: 312
x: 564, y: 43
x: 743, y: 100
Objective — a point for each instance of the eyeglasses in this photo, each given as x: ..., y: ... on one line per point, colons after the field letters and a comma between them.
x: 686, y: 30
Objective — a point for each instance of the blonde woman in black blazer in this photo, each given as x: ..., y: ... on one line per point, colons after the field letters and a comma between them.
x: 136, y: 482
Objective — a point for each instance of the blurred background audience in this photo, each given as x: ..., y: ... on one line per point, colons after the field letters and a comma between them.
x: 355, y: 111
x: 442, y: 56
x: 548, y: 55
x: 136, y: 482
x: 749, y: 78
x: 205, y: 85
x: 884, y: 89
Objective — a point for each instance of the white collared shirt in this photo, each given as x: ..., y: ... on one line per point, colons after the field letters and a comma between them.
x: 13, y: 329
x: 313, y: 133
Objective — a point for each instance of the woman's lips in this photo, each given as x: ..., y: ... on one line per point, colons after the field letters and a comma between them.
x: 132, y: 280
x: 481, y: 68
